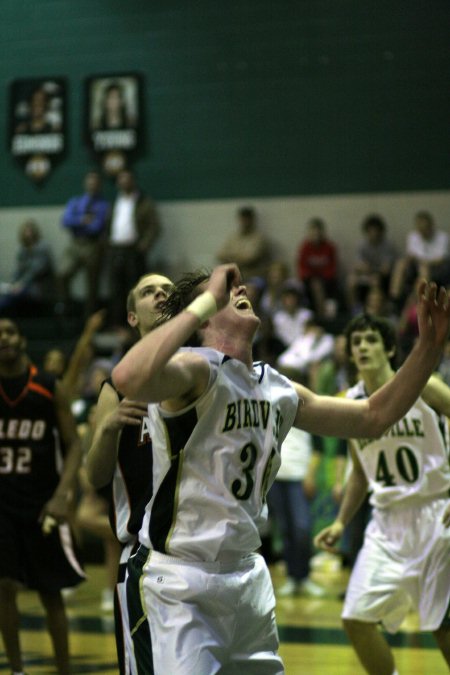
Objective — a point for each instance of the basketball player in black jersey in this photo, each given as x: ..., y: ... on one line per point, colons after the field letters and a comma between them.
x: 39, y: 459
x: 119, y: 461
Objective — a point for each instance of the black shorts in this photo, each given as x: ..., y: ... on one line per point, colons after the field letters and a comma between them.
x: 45, y: 563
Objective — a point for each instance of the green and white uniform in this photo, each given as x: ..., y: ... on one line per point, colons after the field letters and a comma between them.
x: 208, y: 596
x: 405, y: 560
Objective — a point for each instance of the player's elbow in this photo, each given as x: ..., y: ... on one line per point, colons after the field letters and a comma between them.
x: 377, y: 424
x: 121, y: 379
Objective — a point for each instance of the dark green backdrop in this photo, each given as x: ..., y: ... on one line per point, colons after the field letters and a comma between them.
x: 248, y: 97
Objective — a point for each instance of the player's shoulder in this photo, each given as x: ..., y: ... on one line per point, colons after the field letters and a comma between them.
x: 40, y: 378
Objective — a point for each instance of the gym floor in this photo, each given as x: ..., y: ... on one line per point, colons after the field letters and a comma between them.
x: 312, y: 639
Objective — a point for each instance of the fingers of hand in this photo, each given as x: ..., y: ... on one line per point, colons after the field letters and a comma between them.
x: 233, y: 276
x: 131, y: 420
x: 48, y: 524
x: 133, y: 408
x: 443, y: 299
x: 432, y: 292
x: 324, y: 540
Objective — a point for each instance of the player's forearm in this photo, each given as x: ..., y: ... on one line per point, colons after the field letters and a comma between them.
x: 354, y: 495
x: 101, y: 459
x: 72, y: 463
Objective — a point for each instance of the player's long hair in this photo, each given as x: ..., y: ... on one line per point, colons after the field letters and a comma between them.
x: 186, y: 289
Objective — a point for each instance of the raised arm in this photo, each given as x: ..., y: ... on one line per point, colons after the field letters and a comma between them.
x: 152, y: 371
x: 369, y: 418
x: 437, y: 395
x: 81, y: 352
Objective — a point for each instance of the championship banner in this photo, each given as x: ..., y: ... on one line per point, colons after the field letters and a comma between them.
x: 114, y: 119
x: 37, y: 135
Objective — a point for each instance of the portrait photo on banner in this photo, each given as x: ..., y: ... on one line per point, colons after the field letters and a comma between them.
x: 113, y: 119
x: 37, y: 124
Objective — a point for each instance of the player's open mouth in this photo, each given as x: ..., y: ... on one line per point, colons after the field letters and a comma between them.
x: 243, y: 303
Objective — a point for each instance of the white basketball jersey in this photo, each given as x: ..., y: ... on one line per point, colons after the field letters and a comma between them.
x: 410, y: 460
x: 219, y: 458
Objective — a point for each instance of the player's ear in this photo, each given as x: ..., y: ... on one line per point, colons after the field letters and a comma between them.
x: 132, y: 319
x: 391, y: 353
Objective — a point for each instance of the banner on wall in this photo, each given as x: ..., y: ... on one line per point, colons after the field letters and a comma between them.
x: 37, y: 129
x: 114, y: 118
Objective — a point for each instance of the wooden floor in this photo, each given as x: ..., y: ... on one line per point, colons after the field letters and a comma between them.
x: 312, y: 640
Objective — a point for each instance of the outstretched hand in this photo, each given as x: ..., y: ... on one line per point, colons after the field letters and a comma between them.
x: 221, y: 281
x: 433, y: 314
x: 327, y: 538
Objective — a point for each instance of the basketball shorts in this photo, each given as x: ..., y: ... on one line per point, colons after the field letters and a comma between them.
x: 42, y: 562
x: 404, y: 565
x: 201, y: 618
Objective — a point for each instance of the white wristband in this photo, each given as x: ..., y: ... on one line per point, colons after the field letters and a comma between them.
x: 203, y: 307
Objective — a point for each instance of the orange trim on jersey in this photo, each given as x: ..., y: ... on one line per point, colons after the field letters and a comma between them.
x: 29, y: 385
x: 40, y: 390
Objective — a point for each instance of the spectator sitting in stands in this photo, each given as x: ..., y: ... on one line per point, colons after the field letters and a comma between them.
x: 277, y: 274
x: 317, y: 269
x: 377, y: 303
x: 248, y: 247
x: 375, y: 258
x: 289, y: 321
x: 33, y: 275
x: 307, y: 349
x: 427, y: 257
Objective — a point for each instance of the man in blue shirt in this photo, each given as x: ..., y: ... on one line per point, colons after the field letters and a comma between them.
x: 85, y: 218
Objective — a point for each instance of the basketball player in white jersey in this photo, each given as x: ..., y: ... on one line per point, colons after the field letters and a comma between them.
x: 405, y: 559
x: 206, y: 595
x: 119, y: 461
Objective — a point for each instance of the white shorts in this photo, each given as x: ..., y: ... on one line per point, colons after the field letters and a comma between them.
x: 404, y: 564
x: 205, y: 618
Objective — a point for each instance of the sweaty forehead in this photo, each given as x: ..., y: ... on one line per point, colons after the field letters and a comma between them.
x: 153, y: 280
x: 371, y: 334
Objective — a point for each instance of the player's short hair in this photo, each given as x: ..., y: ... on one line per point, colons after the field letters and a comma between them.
x: 186, y: 289
x: 131, y: 297
x: 364, y: 322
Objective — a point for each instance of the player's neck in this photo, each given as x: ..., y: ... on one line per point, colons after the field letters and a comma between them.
x: 374, y: 379
x: 236, y: 347
x: 17, y: 367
